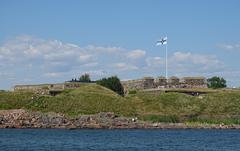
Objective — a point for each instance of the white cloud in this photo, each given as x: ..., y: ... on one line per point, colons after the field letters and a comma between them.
x: 187, y: 62
x: 229, y: 47
x: 155, y: 61
x: 85, y: 57
x: 136, y: 54
x: 41, y: 60
x: 194, y: 58
x: 124, y: 66
x: 99, y: 49
x: 7, y: 75
x: 92, y: 64
x: 53, y: 59
x: 53, y: 74
x: 96, y: 73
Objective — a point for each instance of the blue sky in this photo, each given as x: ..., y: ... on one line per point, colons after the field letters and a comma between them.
x: 54, y: 41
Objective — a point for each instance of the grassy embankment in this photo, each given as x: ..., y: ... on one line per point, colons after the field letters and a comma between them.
x: 88, y: 99
x: 216, y: 107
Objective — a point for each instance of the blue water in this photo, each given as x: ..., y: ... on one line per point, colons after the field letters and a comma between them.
x: 60, y: 139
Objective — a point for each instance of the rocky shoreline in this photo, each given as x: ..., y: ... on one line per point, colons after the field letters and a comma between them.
x: 19, y: 118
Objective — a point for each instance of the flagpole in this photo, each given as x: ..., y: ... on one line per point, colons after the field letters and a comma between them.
x: 166, y: 61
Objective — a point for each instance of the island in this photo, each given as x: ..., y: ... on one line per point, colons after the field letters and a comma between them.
x: 146, y: 103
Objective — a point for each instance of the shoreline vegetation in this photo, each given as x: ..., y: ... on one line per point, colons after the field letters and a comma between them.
x: 94, y: 106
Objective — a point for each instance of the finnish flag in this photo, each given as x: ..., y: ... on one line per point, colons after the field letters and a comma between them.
x: 162, y: 41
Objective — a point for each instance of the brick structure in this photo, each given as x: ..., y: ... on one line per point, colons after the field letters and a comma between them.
x: 148, y: 82
x: 174, y: 82
x: 194, y: 82
x: 39, y: 89
x: 45, y: 89
x: 162, y: 82
x: 145, y: 83
x: 133, y: 84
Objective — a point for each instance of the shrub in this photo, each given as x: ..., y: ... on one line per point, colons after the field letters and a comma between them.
x: 85, y: 78
x: 216, y: 82
x: 112, y: 83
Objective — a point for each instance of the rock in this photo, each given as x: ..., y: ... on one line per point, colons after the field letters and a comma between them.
x: 107, y: 120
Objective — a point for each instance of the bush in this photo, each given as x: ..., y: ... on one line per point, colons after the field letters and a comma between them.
x: 216, y: 82
x: 85, y: 78
x: 112, y: 83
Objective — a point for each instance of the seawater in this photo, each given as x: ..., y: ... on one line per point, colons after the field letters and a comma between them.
x: 126, y: 139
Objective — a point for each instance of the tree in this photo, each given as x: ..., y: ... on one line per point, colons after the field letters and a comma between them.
x: 216, y: 82
x: 85, y: 78
x: 112, y: 83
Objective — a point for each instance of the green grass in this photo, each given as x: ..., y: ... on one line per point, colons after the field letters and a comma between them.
x: 218, y: 106
x: 89, y: 99
x: 160, y: 118
x: 14, y: 100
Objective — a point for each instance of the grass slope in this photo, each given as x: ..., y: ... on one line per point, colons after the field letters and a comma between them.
x: 88, y: 99
x: 216, y: 107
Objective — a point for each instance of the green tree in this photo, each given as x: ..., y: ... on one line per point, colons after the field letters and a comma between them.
x: 85, y: 78
x: 216, y: 82
x: 112, y: 83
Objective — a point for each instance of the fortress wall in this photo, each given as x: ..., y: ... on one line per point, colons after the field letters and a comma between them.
x: 148, y: 83
x: 45, y: 88
x: 173, y: 82
x: 72, y: 85
x: 194, y: 81
x: 160, y: 82
x: 59, y: 86
x: 39, y: 89
x: 48, y: 86
x: 145, y: 83
x: 133, y: 84
x: 30, y: 87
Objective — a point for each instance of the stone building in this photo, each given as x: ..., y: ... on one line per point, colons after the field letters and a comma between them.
x: 174, y: 82
x: 133, y: 84
x: 40, y: 88
x: 47, y: 88
x: 162, y: 82
x: 145, y: 83
x: 148, y: 82
x: 194, y: 82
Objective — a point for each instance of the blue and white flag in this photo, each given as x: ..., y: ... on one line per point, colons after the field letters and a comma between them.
x: 162, y: 41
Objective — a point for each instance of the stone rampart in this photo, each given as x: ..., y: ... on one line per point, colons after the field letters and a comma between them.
x: 46, y: 88
x: 162, y: 82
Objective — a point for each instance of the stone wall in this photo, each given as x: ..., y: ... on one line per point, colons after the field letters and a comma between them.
x: 39, y: 89
x: 72, y: 85
x: 195, y: 82
x: 145, y: 83
x: 133, y: 84
x: 46, y: 88
x: 162, y: 82
x: 174, y: 82
x: 148, y: 83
